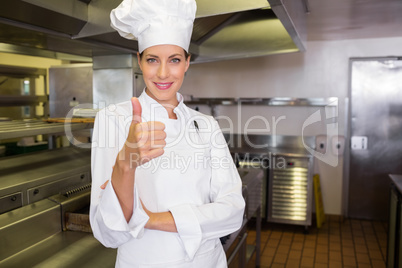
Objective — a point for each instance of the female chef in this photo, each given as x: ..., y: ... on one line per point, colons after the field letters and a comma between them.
x: 164, y: 186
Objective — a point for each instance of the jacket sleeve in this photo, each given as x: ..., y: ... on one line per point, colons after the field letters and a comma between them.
x: 106, y: 216
x: 224, y: 214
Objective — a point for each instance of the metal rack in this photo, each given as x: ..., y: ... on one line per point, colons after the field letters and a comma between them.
x: 24, y: 128
x: 308, y: 102
x: 291, y: 191
x: 14, y: 96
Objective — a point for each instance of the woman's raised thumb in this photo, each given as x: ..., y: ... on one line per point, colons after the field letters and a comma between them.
x: 137, y: 110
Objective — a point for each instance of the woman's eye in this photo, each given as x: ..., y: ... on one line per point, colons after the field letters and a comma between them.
x: 176, y: 60
x: 151, y: 60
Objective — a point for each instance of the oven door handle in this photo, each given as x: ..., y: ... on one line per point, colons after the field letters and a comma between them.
x: 238, y: 247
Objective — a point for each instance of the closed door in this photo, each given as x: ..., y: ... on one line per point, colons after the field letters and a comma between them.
x: 375, y: 135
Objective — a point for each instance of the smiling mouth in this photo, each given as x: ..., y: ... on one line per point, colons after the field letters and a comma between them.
x: 163, y: 86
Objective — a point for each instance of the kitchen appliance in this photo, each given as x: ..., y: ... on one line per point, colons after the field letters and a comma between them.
x: 291, y: 190
x: 44, y: 221
x: 288, y: 181
x: 37, y: 191
x: 31, y: 177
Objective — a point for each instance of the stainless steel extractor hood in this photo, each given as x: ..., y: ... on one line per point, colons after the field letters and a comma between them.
x: 225, y: 29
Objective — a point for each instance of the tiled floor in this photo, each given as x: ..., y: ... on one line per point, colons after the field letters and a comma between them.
x: 338, y: 243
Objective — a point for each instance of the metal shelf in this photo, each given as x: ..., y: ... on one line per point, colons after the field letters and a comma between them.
x: 21, y: 100
x: 22, y: 128
x: 19, y: 71
x: 333, y: 101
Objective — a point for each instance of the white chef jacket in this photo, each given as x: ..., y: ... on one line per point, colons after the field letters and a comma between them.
x: 195, y: 179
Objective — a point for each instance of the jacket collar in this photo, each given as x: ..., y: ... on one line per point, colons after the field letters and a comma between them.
x: 152, y: 110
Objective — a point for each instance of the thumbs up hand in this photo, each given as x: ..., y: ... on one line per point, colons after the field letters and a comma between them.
x: 145, y: 140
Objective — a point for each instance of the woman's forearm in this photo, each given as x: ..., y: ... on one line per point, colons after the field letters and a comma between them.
x: 123, y: 185
x: 162, y: 221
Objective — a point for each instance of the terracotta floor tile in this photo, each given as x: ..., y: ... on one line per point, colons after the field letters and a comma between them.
x: 343, y: 243
x: 296, y: 246
x: 322, y: 241
x: 362, y: 258
x: 278, y: 265
x: 295, y: 254
x: 292, y: 264
x: 359, y: 241
x: 375, y: 255
x: 268, y: 252
x: 348, y: 251
x: 320, y: 265
x: 276, y: 235
x: 298, y: 238
x: 307, y: 262
x: 272, y: 243
x: 321, y: 258
x: 347, y: 242
x: 308, y: 252
x: 335, y: 264
x: 309, y: 244
x: 364, y: 265
x: 280, y: 258
x: 361, y: 249
x: 335, y: 246
x: 321, y: 249
x: 283, y: 248
x: 266, y: 260
x: 349, y: 261
x: 378, y: 263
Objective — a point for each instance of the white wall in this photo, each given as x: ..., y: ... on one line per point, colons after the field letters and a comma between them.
x: 321, y: 72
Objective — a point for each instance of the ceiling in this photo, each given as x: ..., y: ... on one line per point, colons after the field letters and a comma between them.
x: 354, y: 19
x: 225, y: 29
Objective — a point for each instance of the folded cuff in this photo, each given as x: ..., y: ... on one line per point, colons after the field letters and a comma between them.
x: 113, y: 216
x: 188, y: 228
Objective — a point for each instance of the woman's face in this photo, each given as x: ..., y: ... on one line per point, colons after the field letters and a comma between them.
x: 163, y: 68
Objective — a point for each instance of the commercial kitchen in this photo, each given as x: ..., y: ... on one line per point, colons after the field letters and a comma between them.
x: 308, y: 94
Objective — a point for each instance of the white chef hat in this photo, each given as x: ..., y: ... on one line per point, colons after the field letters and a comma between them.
x: 155, y: 22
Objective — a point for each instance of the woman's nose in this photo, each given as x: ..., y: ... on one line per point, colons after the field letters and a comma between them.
x: 163, y: 71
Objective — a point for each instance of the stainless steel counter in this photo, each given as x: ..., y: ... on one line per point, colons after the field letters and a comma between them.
x: 35, y: 235
x: 28, y: 178
x: 64, y: 249
x: 397, y: 181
